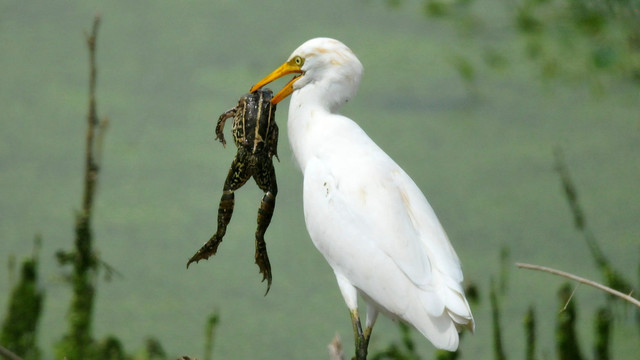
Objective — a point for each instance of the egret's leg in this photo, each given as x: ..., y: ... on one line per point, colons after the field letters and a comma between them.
x: 265, y: 177
x: 372, y: 316
x: 238, y: 176
x: 361, y: 337
x: 350, y: 295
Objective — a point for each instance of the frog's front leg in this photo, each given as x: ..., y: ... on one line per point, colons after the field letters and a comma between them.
x: 238, y: 176
x: 266, y: 179
x: 220, y: 126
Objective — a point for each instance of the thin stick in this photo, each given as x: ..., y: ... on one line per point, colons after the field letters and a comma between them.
x: 570, y: 297
x: 91, y: 168
x: 579, y: 279
x: 7, y: 354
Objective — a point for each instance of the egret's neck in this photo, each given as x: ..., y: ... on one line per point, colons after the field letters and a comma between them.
x: 309, y: 124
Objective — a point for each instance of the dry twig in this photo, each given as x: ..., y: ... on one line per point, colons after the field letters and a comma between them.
x: 7, y: 354
x: 581, y: 280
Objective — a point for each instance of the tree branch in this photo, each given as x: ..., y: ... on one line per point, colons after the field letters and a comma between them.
x: 581, y: 280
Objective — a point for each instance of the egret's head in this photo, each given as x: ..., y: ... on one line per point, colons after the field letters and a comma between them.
x: 325, y: 62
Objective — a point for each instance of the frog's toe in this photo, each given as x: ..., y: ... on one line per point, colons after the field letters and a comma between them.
x: 208, y: 249
x: 262, y: 260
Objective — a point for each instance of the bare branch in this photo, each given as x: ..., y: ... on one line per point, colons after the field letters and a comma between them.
x: 579, y: 279
x: 7, y: 354
x: 91, y: 168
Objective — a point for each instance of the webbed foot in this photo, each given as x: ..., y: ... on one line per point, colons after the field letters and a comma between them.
x: 208, y: 249
x: 262, y: 260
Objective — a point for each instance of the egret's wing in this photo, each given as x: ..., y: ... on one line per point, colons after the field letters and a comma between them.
x: 423, y: 219
x: 395, y: 215
x: 446, y: 271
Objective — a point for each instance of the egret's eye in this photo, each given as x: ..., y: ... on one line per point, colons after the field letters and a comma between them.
x: 298, y: 60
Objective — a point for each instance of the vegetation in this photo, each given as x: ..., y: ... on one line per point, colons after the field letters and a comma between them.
x: 20, y: 326
x: 597, y: 41
x: 78, y: 343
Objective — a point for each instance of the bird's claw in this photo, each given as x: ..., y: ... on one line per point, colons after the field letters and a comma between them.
x: 208, y: 249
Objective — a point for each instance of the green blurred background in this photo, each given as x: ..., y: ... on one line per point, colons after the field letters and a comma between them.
x: 477, y: 139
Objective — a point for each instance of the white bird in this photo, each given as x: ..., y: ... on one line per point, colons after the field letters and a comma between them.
x: 363, y: 212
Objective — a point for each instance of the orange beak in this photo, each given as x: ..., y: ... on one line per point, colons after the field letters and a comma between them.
x: 289, y: 67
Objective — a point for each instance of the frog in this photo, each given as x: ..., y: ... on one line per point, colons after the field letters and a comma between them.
x: 255, y: 134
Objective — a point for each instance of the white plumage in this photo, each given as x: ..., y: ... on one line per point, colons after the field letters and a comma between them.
x: 363, y: 212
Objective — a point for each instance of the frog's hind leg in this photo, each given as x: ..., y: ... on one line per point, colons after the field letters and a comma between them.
x: 266, y: 179
x: 238, y: 176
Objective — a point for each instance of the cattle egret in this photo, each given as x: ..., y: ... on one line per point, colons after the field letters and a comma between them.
x: 362, y: 211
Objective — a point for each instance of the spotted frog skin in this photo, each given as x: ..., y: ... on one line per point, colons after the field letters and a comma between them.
x: 255, y: 134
